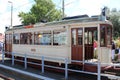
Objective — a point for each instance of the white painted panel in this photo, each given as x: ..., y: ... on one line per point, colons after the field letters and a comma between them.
x: 61, y: 52
x: 105, y: 55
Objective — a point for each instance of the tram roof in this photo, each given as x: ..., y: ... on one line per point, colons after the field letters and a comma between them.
x: 67, y: 20
x: 73, y: 20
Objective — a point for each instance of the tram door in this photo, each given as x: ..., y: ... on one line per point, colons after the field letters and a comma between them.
x: 90, y: 36
x: 8, y: 42
x: 77, y: 44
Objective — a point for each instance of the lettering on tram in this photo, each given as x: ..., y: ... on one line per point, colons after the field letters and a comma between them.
x: 85, y: 38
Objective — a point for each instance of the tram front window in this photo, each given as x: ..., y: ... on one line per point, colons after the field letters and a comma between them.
x: 105, y: 35
x: 109, y: 34
x: 102, y: 36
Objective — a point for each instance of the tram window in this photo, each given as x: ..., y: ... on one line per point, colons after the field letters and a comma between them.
x: 30, y: 38
x: 102, y: 36
x: 59, y: 38
x: 109, y: 31
x: 74, y: 37
x: 88, y: 38
x: 95, y: 35
x: 42, y: 38
x: 45, y: 39
x: 80, y: 36
x: 10, y: 38
x: 7, y: 38
x: 37, y: 37
x: 26, y: 38
x: 16, y: 38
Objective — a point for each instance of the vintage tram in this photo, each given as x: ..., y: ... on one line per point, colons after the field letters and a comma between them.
x: 72, y: 38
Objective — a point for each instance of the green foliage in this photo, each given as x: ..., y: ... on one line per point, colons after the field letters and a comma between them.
x: 115, y: 18
x: 41, y: 10
x: 27, y: 18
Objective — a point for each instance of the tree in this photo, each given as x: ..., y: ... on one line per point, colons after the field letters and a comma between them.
x: 27, y: 18
x: 115, y: 19
x: 41, y: 10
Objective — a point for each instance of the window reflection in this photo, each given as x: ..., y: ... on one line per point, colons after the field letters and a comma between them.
x: 37, y: 37
x: 105, y: 35
x: 7, y: 38
x: 74, y: 37
x: 86, y: 37
x: 102, y: 36
x: 80, y: 36
x: 95, y: 35
x: 109, y: 31
x: 16, y: 38
x: 26, y: 38
x: 90, y: 38
x: 43, y: 38
x: 59, y: 38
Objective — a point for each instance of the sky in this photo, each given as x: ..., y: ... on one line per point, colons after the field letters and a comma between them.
x: 72, y: 8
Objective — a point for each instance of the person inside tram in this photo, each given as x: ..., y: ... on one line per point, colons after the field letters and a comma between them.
x: 95, y: 45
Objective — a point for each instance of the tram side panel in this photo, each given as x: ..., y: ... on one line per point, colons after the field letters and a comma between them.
x: 36, y: 51
x: 105, y: 55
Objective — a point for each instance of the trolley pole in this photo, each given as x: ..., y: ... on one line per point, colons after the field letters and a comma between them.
x: 63, y: 9
x: 11, y: 12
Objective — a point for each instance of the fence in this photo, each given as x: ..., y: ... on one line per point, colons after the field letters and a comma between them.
x: 66, y: 60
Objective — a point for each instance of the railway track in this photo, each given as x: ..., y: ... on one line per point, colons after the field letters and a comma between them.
x: 2, y: 77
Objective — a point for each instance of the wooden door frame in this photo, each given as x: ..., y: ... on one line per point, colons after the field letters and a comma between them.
x: 77, y: 50
x: 8, y: 43
x: 89, y: 46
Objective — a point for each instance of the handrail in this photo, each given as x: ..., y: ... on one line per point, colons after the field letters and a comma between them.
x: 66, y: 60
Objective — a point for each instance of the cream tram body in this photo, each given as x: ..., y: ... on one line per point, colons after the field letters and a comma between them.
x: 72, y: 39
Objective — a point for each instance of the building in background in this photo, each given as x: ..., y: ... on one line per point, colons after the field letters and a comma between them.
x: 1, y: 42
x: 2, y: 37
